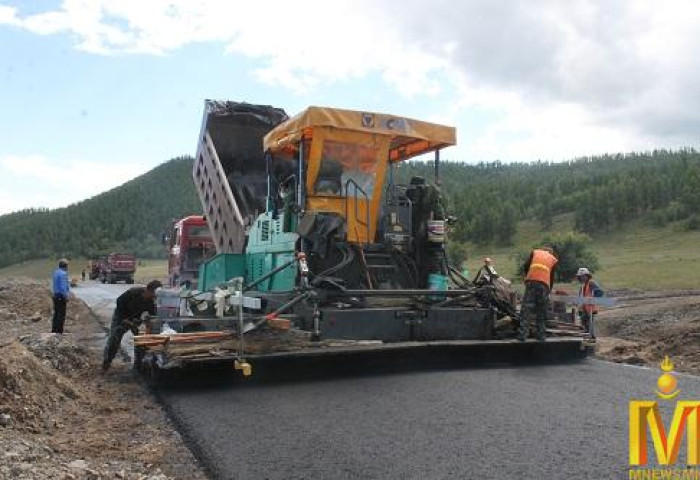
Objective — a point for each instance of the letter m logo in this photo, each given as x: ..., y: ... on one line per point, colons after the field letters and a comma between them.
x: 667, y: 446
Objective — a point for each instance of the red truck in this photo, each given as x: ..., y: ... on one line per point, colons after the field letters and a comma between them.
x: 116, y: 267
x: 189, y: 244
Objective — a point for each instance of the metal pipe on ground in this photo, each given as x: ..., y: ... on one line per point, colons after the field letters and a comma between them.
x: 402, y: 293
x: 276, y: 313
x: 450, y: 301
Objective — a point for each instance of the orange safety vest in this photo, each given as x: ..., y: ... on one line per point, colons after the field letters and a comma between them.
x: 587, y: 291
x: 541, y: 267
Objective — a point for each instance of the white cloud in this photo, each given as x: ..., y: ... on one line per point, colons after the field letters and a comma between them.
x: 303, y: 45
x: 560, y: 78
x: 8, y: 15
x: 37, y: 181
x: 607, y: 74
x: 10, y: 203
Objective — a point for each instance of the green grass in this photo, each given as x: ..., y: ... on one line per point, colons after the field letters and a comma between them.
x: 637, y: 257
x: 149, y: 269
x: 650, y: 259
x: 41, y: 269
x: 146, y: 270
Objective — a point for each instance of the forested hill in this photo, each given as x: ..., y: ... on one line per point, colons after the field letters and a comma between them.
x: 128, y: 218
x: 604, y: 192
x: 489, y: 199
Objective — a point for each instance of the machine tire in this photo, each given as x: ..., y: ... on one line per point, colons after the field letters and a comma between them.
x: 112, y: 280
x: 103, y: 280
x: 130, y: 281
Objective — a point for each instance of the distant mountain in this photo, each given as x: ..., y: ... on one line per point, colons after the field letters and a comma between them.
x: 128, y: 218
x: 602, y: 193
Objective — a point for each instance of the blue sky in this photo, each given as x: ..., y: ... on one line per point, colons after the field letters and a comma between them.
x: 93, y: 93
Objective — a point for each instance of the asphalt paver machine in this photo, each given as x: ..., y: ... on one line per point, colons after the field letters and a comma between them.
x: 321, y: 251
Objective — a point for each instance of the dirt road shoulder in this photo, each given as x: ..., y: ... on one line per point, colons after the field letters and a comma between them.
x: 645, y: 327
x: 60, y: 417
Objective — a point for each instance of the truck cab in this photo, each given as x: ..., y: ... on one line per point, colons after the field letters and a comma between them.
x: 190, y: 243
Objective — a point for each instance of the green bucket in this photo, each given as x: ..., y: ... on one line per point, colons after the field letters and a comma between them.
x: 439, y: 284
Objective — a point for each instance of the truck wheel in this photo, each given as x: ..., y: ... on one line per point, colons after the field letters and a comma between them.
x: 104, y: 280
x: 130, y: 281
x: 112, y: 280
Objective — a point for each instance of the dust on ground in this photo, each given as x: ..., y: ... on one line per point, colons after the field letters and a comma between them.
x: 60, y: 417
x: 646, y: 326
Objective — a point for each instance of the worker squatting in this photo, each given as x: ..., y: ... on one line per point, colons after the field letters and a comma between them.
x: 664, y: 474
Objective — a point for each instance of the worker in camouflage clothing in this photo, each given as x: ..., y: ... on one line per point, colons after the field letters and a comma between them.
x: 131, y: 305
x: 539, y: 280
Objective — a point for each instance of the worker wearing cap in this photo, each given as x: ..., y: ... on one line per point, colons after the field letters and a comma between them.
x: 589, y: 289
x: 486, y: 274
x: 61, y: 290
x: 539, y: 280
x: 131, y: 306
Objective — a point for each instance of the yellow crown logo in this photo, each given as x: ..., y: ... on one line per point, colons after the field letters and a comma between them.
x: 666, y: 364
x: 667, y: 383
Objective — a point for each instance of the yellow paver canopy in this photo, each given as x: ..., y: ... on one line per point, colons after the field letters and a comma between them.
x: 346, y: 155
x: 408, y: 137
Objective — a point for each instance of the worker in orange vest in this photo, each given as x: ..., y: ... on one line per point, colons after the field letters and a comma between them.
x: 589, y: 288
x: 539, y: 280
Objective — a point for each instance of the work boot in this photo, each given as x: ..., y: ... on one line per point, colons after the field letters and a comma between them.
x: 522, y: 330
x: 105, y: 365
x: 541, y: 332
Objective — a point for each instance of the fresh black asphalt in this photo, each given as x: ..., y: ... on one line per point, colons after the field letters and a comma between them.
x: 554, y: 421
x: 565, y: 421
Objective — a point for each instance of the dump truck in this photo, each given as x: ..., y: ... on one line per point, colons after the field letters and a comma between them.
x: 189, y: 245
x: 117, y: 267
x: 322, y: 252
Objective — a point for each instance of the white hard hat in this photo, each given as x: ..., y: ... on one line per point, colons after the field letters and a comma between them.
x: 583, y: 271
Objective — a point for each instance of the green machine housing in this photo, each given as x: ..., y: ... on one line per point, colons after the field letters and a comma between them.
x: 268, y: 248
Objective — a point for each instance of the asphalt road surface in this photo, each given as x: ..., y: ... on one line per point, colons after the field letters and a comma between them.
x: 564, y: 421
x: 101, y: 298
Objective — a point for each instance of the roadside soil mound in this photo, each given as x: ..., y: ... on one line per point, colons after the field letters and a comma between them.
x: 643, y: 329
x: 34, y: 394
x: 26, y: 307
x: 24, y: 298
x: 60, y: 417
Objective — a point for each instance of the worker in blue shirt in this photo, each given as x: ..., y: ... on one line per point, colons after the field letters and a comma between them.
x: 61, y: 289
